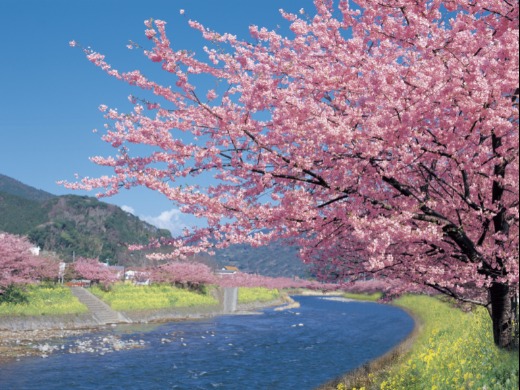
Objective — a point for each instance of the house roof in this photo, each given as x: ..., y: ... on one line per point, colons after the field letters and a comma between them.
x: 231, y: 268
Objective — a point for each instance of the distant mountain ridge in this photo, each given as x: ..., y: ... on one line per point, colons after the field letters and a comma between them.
x: 72, y: 225
x: 276, y: 259
x: 14, y: 187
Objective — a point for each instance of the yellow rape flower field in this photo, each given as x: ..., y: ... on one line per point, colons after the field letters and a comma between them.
x: 44, y: 300
x: 454, y: 350
x: 127, y: 297
x: 257, y: 294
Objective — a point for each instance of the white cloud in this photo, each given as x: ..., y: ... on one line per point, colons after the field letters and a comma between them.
x: 128, y: 209
x: 170, y: 219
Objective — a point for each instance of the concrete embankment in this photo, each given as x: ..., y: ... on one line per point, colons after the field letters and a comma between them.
x: 24, y: 323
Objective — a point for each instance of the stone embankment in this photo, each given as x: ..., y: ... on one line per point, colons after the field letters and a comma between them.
x: 28, y: 323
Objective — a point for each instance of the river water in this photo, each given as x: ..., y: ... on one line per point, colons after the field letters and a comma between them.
x: 293, y: 349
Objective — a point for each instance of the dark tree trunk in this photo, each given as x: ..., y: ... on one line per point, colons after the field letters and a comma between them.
x: 502, y: 315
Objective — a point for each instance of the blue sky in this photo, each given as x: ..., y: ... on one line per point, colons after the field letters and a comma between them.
x: 50, y: 93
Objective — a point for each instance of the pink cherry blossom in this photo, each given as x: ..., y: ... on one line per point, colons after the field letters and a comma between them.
x: 95, y: 271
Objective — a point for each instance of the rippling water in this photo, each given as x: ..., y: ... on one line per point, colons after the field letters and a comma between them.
x: 294, y: 349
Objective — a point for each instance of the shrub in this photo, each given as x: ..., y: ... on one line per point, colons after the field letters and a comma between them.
x: 13, y: 294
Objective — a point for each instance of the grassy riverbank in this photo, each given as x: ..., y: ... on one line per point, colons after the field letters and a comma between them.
x: 127, y: 297
x: 257, y: 294
x: 451, y: 349
x: 363, y: 297
x: 58, y: 300
x: 44, y: 300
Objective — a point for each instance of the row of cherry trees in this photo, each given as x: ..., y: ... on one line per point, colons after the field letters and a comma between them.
x: 193, y: 275
x: 19, y: 266
x: 198, y: 273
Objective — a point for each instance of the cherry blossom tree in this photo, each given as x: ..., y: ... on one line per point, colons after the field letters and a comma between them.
x: 20, y: 265
x: 381, y: 137
x: 46, y: 268
x: 95, y: 271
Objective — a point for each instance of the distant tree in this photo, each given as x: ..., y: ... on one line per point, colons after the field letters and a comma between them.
x: 46, y: 268
x: 190, y: 274
x: 381, y: 137
x: 93, y: 270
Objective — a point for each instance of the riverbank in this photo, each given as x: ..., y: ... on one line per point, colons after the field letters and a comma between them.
x: 22, y: 337
x: 449, y: 348
x: 273, y: 349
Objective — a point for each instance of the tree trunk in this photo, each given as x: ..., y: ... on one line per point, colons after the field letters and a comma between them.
x: 501, y: 315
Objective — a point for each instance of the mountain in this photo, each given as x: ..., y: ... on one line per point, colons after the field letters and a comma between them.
x: 14, y: 187
x: 18, y: 215
x: 275, y: 260
x: 71, y: 225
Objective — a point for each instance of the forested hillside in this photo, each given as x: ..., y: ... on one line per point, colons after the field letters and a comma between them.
x: 73, y: 225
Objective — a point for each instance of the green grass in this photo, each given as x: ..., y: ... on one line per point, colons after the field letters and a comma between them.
x: 364, y: 297
x: 257, y: 294
x: 453, y: 350
x: 127, y: 297
x: 45, y: 300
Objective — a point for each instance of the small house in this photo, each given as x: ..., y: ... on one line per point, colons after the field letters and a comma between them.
x: 227, y: 270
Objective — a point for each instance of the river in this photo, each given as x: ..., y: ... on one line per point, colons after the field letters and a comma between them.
x: 281, y: 350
